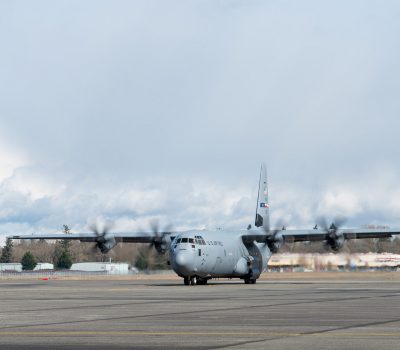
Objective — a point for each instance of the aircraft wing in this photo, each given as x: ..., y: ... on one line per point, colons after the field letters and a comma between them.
x: 322, y: 235
x: 131, y: 237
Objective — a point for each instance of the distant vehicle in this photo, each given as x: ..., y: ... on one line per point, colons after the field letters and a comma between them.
x: 200, y: 255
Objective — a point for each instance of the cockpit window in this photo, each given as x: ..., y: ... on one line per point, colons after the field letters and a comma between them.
x: 178, y: 241
x: 184, y: 240
x: 191, y: 240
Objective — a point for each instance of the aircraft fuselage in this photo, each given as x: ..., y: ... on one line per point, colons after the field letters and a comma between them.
x: 216, y: 254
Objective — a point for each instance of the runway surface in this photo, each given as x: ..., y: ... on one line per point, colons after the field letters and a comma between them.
x: 147, y: 314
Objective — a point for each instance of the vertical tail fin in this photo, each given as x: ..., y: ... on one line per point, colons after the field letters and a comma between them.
x: 262, y: 211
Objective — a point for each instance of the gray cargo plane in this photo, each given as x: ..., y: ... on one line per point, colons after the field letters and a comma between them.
x: 200, y: 255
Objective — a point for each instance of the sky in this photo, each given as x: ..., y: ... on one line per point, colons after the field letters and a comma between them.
x: 132, y: 111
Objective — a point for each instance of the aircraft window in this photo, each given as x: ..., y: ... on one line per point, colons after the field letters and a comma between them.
x: 178, y: 241
x: 184, y: 240
x: 191, y: 240
x: 197, y: 241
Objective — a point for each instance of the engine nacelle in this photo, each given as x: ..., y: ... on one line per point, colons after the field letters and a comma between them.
x: 243, y: 265
x: 106, y: 244
x: 335, y: 242
x: 275, y: 243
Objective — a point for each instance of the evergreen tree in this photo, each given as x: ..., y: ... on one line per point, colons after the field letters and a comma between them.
x: 62, y: 255
x: 64, y: 261
x: 7, y: 252
x: 65, y: 243
x: 28, y: 261
x: 142, y: 260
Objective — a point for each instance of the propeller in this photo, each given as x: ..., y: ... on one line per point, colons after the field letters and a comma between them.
x: 337, y: 222
x: 104, y: 240
x: 158, y: 240
x: 335, y: 239
x: 274, y: 240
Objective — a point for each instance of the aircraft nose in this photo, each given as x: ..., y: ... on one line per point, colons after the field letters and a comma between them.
x: 183, y: 262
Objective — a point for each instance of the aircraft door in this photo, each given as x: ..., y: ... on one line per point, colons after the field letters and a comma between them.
x: 201, y: 254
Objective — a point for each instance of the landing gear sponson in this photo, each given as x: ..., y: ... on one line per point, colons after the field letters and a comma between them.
x: 194, y: 280
x: 250, y: 281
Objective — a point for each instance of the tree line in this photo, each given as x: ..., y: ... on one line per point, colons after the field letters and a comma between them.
x: 63, y: 253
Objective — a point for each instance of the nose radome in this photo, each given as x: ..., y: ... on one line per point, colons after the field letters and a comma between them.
x: 184, y: 262
x: 181, y: 258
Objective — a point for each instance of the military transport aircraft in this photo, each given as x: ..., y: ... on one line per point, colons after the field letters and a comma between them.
x: 200, y: 255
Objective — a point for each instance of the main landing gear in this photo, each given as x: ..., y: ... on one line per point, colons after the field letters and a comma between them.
x: 250, y: 281
x: 193, y: 280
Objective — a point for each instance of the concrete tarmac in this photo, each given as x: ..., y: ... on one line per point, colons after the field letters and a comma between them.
x: 276, y: 313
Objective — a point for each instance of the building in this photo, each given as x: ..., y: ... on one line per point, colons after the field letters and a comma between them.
x: 108, y: 267
x: 17, y: 267
x: 334, y: 262
x: 11, y: 267
x: 43, y: 266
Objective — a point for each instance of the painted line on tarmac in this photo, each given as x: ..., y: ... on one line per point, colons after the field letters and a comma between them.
x: 188, y: 333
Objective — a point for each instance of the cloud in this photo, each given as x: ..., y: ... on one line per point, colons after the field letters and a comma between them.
x: 186, y: 203
x: 153, y: 109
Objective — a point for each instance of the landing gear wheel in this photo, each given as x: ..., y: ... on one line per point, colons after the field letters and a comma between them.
x: 193, y: 280
x: 250, y: 281
x: 186, y: 281
x: 202, y: 281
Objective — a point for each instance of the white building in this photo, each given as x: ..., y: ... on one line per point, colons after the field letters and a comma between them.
x: 332, y: 261
x: 11, y: 267
x: 17, y: 267
x: 43, y: 266
x: 109, y: 267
